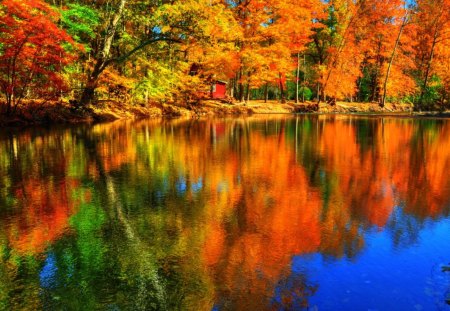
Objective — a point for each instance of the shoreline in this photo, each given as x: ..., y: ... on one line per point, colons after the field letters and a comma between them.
x: 63, y: 113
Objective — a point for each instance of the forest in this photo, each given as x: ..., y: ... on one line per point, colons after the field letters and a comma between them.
x: 144, y: 52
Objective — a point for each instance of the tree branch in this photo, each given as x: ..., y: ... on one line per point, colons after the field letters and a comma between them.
x: 139, y: 47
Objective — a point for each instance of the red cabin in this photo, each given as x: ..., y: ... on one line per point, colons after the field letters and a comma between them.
x: 219, y: 89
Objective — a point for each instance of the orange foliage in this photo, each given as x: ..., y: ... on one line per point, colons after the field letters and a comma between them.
x: 43, y: 219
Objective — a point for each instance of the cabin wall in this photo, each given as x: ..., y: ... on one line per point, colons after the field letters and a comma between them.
x: 219, y: 90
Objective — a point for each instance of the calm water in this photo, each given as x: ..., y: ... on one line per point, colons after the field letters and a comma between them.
x: 264, y: 213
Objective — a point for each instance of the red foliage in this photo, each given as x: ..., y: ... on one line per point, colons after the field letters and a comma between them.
x: 32, y: 52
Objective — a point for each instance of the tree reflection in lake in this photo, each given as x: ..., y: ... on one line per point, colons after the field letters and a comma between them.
x: 227, y: 214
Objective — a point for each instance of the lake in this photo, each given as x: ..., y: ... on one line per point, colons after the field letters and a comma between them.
x: 258, y: 213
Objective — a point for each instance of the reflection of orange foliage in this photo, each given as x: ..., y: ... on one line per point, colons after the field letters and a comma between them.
x: 261, y: 194
x: 404, y: 160
x: 116, y: 146
x: 437, y: 171
x: 278, y: 212
x: 278, y: 219
x: 362, y: 178
x: 214, y: 244
x: 261, y: 208
x: 44, y: 215
x: 421, y: 175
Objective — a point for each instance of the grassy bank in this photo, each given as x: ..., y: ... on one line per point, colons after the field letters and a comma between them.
x: 33, y: 113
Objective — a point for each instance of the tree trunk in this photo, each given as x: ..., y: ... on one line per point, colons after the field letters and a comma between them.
x: 241, y: 92
x: 9, y: 101
x: 375, y: 78
x: 266, y: 92
x: 102, y: 57
x: 241, y: 88
x: 391, y: 60
x: 359, y: 95
x: 235, y: 86
x: 232, y: 88
x: 89, y: 90
x: 282, y: 93
x: 304, y: 78
x: 430, y: 60
x: 298, y: 79
x: 375, y: 86
x: 248, y: 92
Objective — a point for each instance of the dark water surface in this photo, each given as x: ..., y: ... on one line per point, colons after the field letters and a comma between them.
x: 263, y: 213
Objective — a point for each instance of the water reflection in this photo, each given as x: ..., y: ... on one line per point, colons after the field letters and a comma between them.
x: 264, y: 213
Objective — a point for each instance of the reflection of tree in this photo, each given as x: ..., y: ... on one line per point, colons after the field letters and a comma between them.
x: 446, y: 269
x: 404, y: 229
x: 36, y: 212
x: 192, y: 214
x: 275, y: 218
x: 365, y: 167
x: 427, y: 192
x: 293, y: 292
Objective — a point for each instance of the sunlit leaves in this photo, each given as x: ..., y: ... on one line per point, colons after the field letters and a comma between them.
x: 33, y: 50
x: 80, y: 22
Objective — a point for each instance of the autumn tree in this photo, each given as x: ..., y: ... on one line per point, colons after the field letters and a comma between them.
x: 433, y: 23
x: 386, y: 46
x: 293, y: 29
x: 33, y: 51
x: 340, y: 57
x: 377, y: 41
x: 271, y: 32
x: 134, y: 29
x: 142, y: 51
x: 209, y: 47
x: 401, y: 28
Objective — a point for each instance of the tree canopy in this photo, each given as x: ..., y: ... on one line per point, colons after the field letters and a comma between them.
x: 142, y: 51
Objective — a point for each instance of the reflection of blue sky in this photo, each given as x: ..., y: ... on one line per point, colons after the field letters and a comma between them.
x: 160, y: 191
x: 48, y: 272
x: 197, y: 186
x: 181, y: 185
x: 383, y: 277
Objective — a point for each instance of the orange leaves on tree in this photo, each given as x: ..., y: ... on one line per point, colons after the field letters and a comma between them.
x: 432, y: 52
x: 33, y: 50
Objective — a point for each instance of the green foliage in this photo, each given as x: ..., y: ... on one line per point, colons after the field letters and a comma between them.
x: 80, y: 22
x: 365, y: 88
x: 432, y: 93
x: 164, y: 83
x: 302, y: 91
x: 305, y: 92
x: 157, y: 84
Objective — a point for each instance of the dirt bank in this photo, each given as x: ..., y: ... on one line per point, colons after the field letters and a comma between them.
x: 34, y: 113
